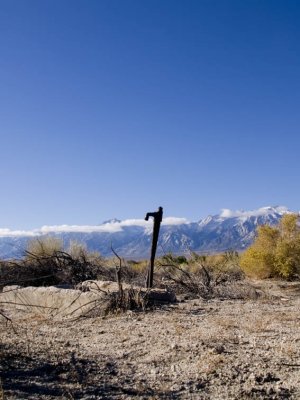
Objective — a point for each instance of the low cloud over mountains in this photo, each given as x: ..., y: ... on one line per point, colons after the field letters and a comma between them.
x: 132, y: 237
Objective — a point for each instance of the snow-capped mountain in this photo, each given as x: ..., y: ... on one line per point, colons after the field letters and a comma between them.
x: 233, y: 230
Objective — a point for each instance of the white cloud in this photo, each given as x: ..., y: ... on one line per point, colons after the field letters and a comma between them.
x: 4, y: 232
x: 109, y: 227
x: 174, y: 221
x: 134, y: 222
x: 226, y: 213
x: 117, y: 226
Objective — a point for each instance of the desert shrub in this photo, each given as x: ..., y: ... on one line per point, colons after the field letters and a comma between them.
x: 46, y: 259
x: 124, y: 300
x: 131, y: 271
x: 222, y: 264
x: 171, y: 258
x: 27, y: 272
x: 43, y: 247
x: 60, y: 268
x: 79, y: 250
x: 135, y: 272
x: 45, y: 263
x: 139, y: 267
x: 275, y: 251
x: 202, y: 275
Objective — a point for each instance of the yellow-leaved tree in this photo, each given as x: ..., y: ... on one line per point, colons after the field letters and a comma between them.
x: 287, y: 254
x: 275, y: 251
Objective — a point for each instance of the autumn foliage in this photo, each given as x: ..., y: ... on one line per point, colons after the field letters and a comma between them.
x: 275, y: 251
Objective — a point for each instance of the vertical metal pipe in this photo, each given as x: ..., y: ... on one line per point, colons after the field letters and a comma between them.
x: 156, y: 227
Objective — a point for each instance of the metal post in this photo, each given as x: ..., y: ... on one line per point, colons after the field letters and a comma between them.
x: 157, y: 221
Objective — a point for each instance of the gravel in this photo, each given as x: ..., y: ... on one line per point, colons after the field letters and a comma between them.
x: 194, y: 349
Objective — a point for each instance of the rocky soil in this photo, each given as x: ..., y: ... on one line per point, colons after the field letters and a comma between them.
x: 194, y: 349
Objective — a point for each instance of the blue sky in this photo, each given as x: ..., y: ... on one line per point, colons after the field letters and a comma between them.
x: 113, y: 108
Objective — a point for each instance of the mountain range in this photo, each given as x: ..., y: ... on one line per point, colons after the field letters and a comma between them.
x: 229, y: 230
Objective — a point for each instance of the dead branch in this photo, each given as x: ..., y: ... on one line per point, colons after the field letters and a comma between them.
x: 118, y: 270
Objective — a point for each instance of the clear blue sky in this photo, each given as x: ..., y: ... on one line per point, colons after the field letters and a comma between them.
x: 112, y: 108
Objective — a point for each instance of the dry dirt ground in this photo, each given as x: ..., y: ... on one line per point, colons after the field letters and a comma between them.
x: 195, y: 349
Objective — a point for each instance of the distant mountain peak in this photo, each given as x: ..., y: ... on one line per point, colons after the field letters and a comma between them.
x: 229, y: 230
x: 263, y: 211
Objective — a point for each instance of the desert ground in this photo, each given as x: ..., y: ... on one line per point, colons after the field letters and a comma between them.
x: 192, y: 349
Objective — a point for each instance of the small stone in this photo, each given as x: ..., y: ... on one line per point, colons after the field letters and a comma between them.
x: 219, y: 349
